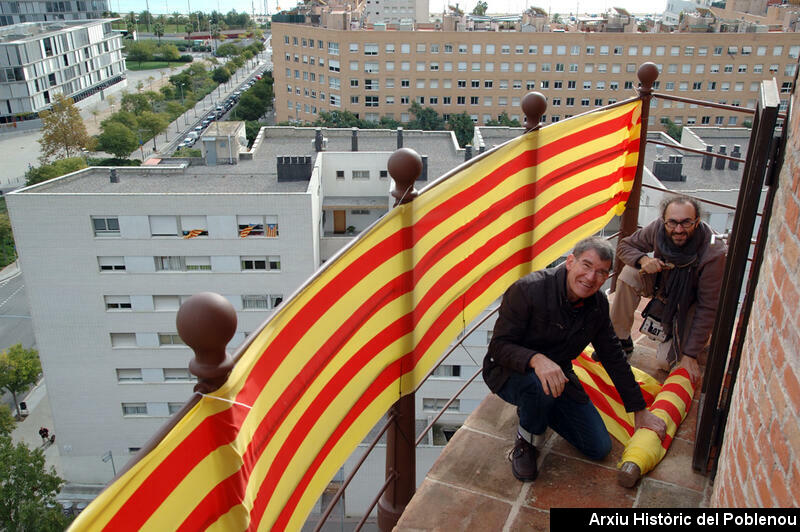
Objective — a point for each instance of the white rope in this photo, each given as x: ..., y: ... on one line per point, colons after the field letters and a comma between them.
x: 249, y: 407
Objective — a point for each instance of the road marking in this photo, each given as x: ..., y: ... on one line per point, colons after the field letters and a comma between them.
x: 15, y: 292
x: 9, y: 279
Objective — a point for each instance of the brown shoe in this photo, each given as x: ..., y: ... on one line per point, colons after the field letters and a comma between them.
x: 523, y: 460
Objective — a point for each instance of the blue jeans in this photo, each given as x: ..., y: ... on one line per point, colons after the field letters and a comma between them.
x: 578, y: 423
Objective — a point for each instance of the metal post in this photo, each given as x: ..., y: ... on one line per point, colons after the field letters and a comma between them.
x: 647, y: 74
x: 404, y: 166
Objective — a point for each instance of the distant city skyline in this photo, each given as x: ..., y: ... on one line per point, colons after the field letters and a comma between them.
x: 495, y: 6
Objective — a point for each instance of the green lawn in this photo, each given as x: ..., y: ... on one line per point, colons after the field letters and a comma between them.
x: 149, y: 65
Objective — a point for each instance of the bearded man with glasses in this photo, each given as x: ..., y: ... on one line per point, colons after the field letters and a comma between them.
x: 683, y: 277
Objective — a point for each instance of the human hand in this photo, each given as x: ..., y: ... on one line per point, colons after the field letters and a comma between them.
x: 550, y: 374
x: 692, y: 367
x: 644, y: 419
x: 651, y: 264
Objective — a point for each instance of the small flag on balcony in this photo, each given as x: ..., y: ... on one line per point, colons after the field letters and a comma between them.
x: 246, y: 231
x: 194, y: 233
x: 369, y: 326
x: 272, y: 230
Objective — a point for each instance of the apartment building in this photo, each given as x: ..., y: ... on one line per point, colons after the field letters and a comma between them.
x: 133, y: 243
x: 41, y: 59
x: 18, y: 11
x: 396, y: 11
x: 485, y: 73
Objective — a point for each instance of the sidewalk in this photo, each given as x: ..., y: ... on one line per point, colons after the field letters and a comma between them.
x: 9, y: 271
x: 39, y: 415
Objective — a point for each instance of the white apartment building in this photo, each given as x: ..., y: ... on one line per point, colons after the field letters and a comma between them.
x: 41, y: 59
x: 18, y: 11
x: 396, y: 11
x: 674, y: 8
x: 105, y: 285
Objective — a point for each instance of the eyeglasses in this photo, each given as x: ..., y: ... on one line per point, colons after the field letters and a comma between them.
x: 587, y: 267
x: 686, y: 224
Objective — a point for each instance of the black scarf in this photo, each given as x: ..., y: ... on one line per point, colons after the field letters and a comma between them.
x: 678, y: 289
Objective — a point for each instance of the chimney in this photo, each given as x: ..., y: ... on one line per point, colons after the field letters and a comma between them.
x: 399, y: 137
x: 113, y: 175
x: 736, y: 152
x: 318, y: 140
x: 424, y: 175
x: 482, y: 148
x: 707, y: 159
x: 468, y: 152
x: 719, y: 164
x: 354, y: 140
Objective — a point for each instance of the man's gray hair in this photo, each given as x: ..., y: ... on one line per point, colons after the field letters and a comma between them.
x: 601, y: 246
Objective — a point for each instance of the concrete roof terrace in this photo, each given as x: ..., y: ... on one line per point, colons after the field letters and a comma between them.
x: 441, y: 147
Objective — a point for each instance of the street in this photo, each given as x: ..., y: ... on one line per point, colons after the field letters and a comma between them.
x: 15, y: 319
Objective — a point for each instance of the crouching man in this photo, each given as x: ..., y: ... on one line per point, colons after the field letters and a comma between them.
x: 546, y: 320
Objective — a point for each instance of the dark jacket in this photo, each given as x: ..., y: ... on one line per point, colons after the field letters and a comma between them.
x: 706, y: 285
x: 536, y: 317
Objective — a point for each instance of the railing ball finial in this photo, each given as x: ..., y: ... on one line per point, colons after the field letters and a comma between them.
x: 534, y: 104
x: 647, y: 74
x: 405, y: 166
x: 206, y: 322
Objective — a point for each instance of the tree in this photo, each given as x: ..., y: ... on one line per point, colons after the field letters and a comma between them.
x: 673, y: 129
x: 221, y: 75
x: 28, y: 490
x: 227, y: 50
x: 426, y: 119
x: 250, y: 107
x: 19, y: 368
x: 480, y: 8
x: 117, y: 139
x: 7, y: 422
x: 38, y: 174
x: 135, y: 103
x: 169, y: 52
x: 63, y: 130
x: 158, y: 30
x: 504, y: 120
x: 152, y: 124
x: 139, y: 51
x: 463, y: 127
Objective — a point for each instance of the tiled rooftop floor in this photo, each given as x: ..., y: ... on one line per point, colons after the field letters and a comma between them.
x: 470, y: 487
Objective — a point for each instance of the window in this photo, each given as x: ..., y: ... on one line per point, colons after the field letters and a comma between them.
x: 129, y: 375
x: 333, y: 48
x: 261, y: 301
x: 265, y: 263
x: 118, y: 302
x: 108, y: 264
x: 134, y: 409
x: 435, y: 405
x: 353, y: 47
x: 257, y: 225
x: 473, y: 100
x: 169, y: 339
x: 123, y: 340
x: 178, y: 375
x: 360, y: 174
x: 168, y: 303
x: 173, y: 408
x: 333, y: 65
x: 371, y: 84
x: 371, y: 101
x: 105, y: 226
x: 389, y: 48
x: 181, y: 264
x: 372, y: 49
x: 193, y: 226
x: 447, y: 370
x: 163, y: 225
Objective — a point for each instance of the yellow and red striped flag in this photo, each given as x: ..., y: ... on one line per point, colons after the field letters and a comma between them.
x: 246, y: 231
x: 368, y: 328
x: 194, y: 233
x: 670, y: 401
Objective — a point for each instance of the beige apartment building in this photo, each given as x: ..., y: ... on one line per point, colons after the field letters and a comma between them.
x: 485, y: 73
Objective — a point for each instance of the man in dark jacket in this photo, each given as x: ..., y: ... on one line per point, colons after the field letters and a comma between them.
x: 547, y: 319
x: 686, y: 272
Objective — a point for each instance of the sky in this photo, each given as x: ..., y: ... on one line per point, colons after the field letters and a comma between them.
x: 495, y: 6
